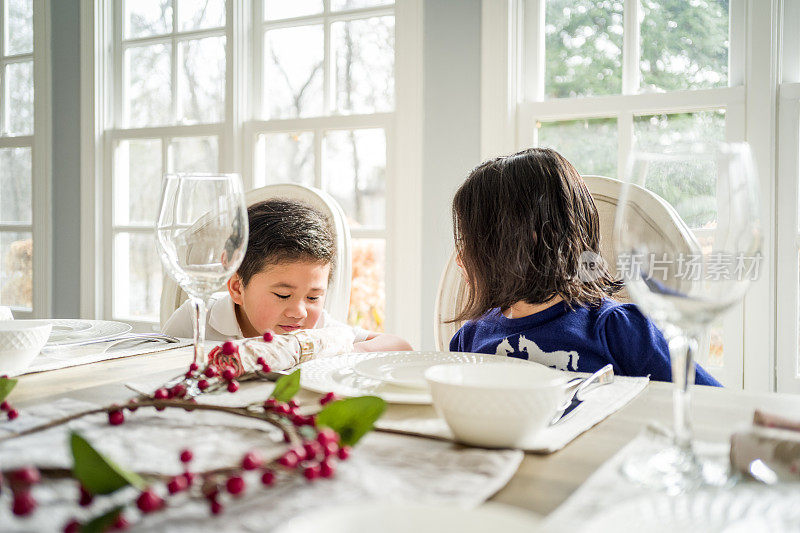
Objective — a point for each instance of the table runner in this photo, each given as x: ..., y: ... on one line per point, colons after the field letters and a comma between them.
x: 382, y: 467
x: 599, y: 404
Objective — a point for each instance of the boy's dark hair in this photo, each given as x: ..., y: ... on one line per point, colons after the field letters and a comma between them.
x: 286, y: 231
x: 521, y: 223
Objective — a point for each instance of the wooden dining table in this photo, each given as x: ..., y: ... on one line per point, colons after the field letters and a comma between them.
x: 541, y: 483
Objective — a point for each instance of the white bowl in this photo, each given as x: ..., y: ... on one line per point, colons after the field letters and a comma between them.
x: 496, y: 405
x: 20, y: 342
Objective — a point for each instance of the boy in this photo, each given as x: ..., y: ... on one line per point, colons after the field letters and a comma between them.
x: 281, y: 284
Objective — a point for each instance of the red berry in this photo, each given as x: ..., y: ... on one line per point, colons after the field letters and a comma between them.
x: 228, y: 374
x: 86, y: 497
x: 203, y: 384
x: 270, y: 404
x: 327, y: 435
x: 261, y: 361
x: 193, y: 367
x: 216, y: 507
x: 148, y: 501
x: 211, y: 371
x: 115, y: 418
x: 161, y: 394
x: 73, y: 526
x: 188, y: 375
x: 186, y: 456
x: 326, y: 469
x: 312, y: 449
x: 289, y: 459
x: 178, y: 391
x: 28, y: 475
x: 282, y: 409
x: 5, y: 406
x: 177, y: 484
x: 343, y: 453
x: 329, y: 448
x: 235, y: 485
x: 12, y: 414
x: 327, y: 398
x: 268, y: 478
x: 265, y: 368
x: 251, y: 461
x: 268, y: 336
x: 23, y: 504
x: 120, y: 523
x: 132, y: 405
x: 229, y: 348
x: 311, y: 472
x: 233, y: 386
x: 293, y: 404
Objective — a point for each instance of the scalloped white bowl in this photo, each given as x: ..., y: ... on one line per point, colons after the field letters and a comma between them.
x: 20, y: 342
x: 496, y: 405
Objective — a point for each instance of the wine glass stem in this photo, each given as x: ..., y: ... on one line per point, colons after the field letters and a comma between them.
x: 683, y: 350
x: 199, y: 307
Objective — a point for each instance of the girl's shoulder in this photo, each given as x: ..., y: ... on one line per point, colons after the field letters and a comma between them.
x: 619, y: 315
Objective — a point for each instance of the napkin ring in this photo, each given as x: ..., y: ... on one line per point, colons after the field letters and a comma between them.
x: 307, y: 345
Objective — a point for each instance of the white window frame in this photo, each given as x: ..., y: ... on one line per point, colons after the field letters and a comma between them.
x: 788, y: 185
x: 40, y: 145
x: 511, y: 106
x: 237, y: 141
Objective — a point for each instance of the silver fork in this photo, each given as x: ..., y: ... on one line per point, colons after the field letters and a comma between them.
x: 603, y: 376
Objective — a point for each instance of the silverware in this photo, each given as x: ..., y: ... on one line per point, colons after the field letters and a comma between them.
x: 603, y: 376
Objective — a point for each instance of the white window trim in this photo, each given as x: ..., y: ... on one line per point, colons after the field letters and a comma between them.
x: 404, y: 154
x: 510, y: 105
x: 41, y: 161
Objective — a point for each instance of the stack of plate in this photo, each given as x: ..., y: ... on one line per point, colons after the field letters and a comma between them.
x: 70, y: 332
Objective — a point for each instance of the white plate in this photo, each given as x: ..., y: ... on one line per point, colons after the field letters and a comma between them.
x: 404, y: 517
x: 745, y: 508
x: 337, y: 374
x: 68, y: 331
x: 407, y: 369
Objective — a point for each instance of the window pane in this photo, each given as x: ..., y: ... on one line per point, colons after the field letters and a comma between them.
x: 15, y: 185
x: 201, y: 80
x: 147, y: 17
x: 337, y: 5
x: 147, y: 85
x: 354, y: 172
x: 684, y: 45
x: 19, y: 27
x: 363, y: 52
x: 583, y: 47
x: 589, y: 144
x: 287, y: 157
x: 137, y: 276
x: 16, y: 269
x: 293, y: 72
x: 194, y: 154
x: 367, y: 292
x: 19, y: 82
x: 652, y: 132
x: 284, y: 9
x: 198, y: 14
x: 137, y: 181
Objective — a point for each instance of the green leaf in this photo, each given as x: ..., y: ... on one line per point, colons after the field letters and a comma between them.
x: 286, y: 387
x: 352, y: 418
x: 103, y: 522
x: 97, y: 473
x: 6, y: 386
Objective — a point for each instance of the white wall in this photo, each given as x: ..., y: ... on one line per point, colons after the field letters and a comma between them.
x: 451, y: 131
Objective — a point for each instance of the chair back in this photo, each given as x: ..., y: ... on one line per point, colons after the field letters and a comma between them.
x: 337, y: 300
x: 653, y: 212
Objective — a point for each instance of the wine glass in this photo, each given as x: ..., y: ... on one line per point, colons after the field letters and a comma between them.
x: 684, y: 287
x: 202, y: 236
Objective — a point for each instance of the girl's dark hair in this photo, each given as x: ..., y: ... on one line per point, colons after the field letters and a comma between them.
x: 521, y: 223
x: 286, y: 231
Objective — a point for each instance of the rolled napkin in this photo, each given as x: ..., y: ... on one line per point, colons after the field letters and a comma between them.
x: 282, y: 351
x: 769, y: 450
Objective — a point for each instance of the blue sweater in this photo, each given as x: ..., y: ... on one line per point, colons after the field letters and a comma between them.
x: 583, y: 339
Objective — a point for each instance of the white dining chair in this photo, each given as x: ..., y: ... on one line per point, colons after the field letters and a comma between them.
x: 654, y: 213
x: 337, y: 300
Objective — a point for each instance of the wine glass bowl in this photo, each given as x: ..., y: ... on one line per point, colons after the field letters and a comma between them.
x: 712, y: 189
x: 202, y: 236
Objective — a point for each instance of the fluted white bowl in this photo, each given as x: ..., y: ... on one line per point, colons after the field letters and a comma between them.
x: 20, y: 342
x: 496, y: 405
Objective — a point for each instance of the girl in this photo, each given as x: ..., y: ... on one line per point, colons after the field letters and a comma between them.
x: 523, y: 224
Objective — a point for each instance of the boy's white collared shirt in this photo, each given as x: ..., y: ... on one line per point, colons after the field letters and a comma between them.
x: 221, y: 323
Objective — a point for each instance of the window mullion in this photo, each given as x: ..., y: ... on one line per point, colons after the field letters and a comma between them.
x: 327, y: 72
x: 120, y: 112
x: 630, y: 47
x: 625, y: 140
x: 318, y: 133
x: 174, y: 67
